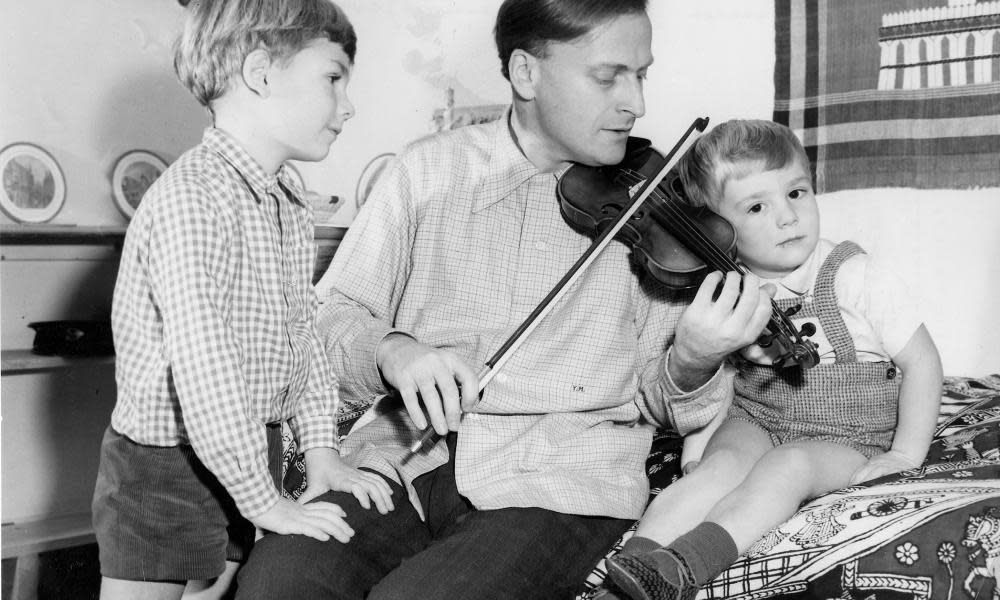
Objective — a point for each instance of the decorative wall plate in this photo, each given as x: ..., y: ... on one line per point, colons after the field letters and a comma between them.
x: 134, y: 172
x: 33, y: 186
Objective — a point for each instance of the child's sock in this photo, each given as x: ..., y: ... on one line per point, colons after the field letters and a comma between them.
x: 639, y: 545
x: 674, y: 572
x: 706, y: 551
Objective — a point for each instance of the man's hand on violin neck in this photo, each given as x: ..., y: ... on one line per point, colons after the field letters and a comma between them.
x: 713, y: 327
x: 436, y: 378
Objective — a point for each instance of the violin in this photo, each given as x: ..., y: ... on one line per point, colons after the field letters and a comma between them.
x: 675, y: 242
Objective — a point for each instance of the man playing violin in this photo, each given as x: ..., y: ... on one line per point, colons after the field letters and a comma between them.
x: 535, y: 478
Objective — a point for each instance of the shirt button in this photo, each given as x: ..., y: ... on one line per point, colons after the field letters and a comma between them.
x: 541, y: 246
x: 890, y: 373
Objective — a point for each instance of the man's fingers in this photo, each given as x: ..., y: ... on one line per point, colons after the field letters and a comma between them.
x: 730, y: 292
x: 432, y: 404
x: 412, y: 403
x: 706, y: 291
x: 469, y: 381
x: 450, y: 401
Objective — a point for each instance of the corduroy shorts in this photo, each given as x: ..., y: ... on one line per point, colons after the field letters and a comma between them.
x: 160, y: 515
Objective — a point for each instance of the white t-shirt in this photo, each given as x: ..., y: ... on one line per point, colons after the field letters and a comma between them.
x: 874, y: 302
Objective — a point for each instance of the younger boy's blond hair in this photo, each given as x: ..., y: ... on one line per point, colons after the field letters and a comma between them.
x: 218, y: 35
x: 735, y: 149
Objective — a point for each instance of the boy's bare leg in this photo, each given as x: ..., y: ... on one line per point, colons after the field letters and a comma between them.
x: 729, y: 457
x: 122, y: 589
x: 212, y: 589
x: 780, y: 481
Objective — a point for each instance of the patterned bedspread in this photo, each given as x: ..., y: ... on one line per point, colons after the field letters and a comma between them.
x: 927, y: 533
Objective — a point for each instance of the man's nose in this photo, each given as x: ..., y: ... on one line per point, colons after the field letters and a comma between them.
x: 633, y: 97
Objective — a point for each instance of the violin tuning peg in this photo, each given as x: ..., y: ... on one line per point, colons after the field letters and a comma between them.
x: 765, y: 340
x: 792, y: 310
x: 808, y: 329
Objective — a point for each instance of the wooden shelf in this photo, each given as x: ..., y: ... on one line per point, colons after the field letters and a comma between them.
x: 17, y: 362
x: 61, y: 234
x: 32, y: 537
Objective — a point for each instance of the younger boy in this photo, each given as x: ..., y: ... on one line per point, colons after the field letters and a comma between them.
x: 213, y: 312
x: 791, y: 434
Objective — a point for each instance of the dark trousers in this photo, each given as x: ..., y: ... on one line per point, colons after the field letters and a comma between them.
x: 458, y: 553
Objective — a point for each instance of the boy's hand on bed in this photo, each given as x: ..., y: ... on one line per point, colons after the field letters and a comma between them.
x: 325, y: 471
x: 319, y: 520
x: 883, y: 464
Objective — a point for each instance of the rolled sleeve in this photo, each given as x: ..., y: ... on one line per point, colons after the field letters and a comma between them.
x: 692, y: 410
x: 686, y: 411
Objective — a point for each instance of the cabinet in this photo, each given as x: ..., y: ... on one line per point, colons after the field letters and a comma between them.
x: 54, y: 410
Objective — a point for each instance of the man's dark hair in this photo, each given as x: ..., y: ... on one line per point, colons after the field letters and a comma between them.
x: 531, y: 24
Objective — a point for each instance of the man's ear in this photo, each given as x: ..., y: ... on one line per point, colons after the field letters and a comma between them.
x: 523, y: 69
x: 256, y: 67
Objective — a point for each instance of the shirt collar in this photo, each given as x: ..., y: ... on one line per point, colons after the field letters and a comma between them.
x: 508, y: 167
x: 800, y: 280
x: 258, y: 181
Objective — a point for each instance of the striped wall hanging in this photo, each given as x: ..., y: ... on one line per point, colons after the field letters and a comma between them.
x: 892, y: 93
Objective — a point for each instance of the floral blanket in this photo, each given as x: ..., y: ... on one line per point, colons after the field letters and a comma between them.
x: 928, y: 533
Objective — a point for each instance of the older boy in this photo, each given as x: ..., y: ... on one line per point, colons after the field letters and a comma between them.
x: 456, y: 245
x: 213, y: 312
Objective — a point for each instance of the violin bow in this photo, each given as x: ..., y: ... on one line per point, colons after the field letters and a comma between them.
x: 496, y: 362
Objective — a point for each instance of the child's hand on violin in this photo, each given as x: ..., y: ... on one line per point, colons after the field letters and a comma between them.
x: 892, y: 461
x: 435, y: 374
x: 326, y: 471
x: 712, y: 328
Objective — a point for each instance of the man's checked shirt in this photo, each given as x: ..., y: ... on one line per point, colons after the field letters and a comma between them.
x: 458, y: 242
x: 214, y: 319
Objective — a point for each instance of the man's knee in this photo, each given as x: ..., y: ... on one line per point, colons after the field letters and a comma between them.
x: 288, y: 566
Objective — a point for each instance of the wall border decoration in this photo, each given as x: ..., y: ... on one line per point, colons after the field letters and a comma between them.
x: 895, y: 93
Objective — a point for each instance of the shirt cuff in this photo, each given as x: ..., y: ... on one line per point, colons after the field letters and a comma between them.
x: 366, y: 346
x: 694, y: 409
x: 255, y: 496
x: 319, y: 431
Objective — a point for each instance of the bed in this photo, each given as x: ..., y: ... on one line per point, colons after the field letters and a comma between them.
x: 926, y: 533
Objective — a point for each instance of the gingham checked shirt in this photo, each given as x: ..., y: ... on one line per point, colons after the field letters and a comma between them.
x: 214, y: 319
x: 459, y: 241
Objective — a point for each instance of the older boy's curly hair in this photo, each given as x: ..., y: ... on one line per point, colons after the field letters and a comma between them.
x: 735, y: 149
x: 219, y: 34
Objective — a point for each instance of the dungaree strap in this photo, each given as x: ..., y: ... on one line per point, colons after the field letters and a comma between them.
x: 825, y: 299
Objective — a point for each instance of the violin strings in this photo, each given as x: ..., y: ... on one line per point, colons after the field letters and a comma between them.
x: 701, y: 241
